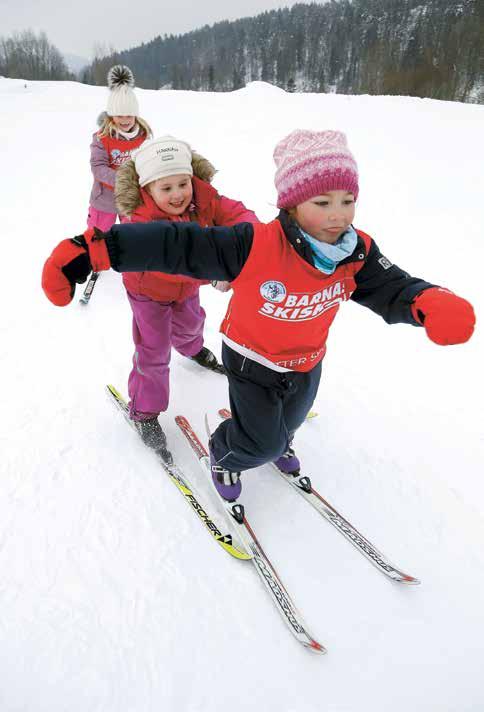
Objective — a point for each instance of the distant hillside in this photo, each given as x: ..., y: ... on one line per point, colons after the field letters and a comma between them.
x: 75, y: 62
x: 431, y: 48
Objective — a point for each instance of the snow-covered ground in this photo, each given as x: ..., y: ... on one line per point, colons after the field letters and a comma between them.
x: 112, y: 596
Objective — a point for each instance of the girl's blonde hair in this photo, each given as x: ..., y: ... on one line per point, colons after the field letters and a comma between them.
x: 108, y: 127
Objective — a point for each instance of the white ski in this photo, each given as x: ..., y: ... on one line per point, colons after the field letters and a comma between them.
x: 236, y: 513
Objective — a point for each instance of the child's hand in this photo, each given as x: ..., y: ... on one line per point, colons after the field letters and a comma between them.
x: 222, y: 286
x: 71, y: 262
x: 447, y: 318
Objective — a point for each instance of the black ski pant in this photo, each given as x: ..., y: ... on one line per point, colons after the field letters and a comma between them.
x: 267, y: 408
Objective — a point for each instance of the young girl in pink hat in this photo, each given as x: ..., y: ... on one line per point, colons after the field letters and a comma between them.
x: 289, y: 278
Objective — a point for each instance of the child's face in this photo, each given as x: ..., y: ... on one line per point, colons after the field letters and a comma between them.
x: 327, y: 216
x: 172, y: 194
x: 125, y: 123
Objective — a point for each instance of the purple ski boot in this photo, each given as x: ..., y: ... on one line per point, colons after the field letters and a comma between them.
x: 227, y: 483
x: 288, y: 462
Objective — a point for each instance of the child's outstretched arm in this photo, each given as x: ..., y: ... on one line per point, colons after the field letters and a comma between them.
x: 213, y: 253
x: 398, y: 297
x: 180, y: 248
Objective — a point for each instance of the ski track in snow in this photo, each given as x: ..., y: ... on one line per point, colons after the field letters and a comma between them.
x: 113, y: 597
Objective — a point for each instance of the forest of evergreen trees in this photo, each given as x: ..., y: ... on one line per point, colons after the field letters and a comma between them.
x: 427, y: 48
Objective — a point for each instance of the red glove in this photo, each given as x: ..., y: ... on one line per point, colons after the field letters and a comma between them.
x: 71, y: 262
x: 447, y: 318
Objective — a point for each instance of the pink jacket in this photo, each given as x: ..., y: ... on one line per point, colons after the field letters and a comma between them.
x: 208, y: 208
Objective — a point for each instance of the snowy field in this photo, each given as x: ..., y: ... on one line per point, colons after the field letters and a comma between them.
x: 112, y: 596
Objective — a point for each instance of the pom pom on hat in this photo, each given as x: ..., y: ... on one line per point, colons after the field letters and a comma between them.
x: 310, y: 163
x: 120, y: 74
x: 122, y: 99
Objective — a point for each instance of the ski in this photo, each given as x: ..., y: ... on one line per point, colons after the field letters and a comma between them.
x: 236, y: 514
x: 89, y: 288
x: 302, y: 485
x: 184, y: 486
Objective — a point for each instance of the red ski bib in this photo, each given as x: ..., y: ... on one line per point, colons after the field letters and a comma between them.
x: 119, y: 149
x: 282, y: 307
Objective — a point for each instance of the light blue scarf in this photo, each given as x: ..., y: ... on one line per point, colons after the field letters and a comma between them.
x: 326, y: 256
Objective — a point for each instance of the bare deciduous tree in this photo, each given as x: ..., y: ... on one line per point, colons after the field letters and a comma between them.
x: 26, y: 55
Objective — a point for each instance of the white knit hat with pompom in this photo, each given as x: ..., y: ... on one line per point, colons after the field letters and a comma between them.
x: 122, y: 99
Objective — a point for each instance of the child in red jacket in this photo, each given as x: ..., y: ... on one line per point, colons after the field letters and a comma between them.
x: 167, y: 181
x: 289, y: 278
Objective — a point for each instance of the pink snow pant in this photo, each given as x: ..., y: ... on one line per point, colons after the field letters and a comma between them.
x: 157, y: 326
x: 100, y: 219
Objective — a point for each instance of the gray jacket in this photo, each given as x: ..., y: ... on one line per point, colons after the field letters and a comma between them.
x: 102, y: 193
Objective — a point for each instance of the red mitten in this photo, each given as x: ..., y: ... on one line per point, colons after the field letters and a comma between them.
x: 447, y: 318
x: 58, y: 286
x: 71, y: 262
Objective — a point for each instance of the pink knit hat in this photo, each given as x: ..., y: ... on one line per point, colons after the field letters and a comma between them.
x: 310, y: 163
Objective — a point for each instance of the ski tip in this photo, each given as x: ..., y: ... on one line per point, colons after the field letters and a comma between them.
x: 235, y: 551
x: 409, y: 580
x: 181, y: 421
x: 317, y: 647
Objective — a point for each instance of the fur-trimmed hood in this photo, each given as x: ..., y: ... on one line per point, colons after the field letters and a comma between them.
x: 127, y: 190
x: 101, y: 118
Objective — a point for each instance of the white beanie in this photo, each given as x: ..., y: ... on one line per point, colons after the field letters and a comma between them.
x: 162, y: 157
x: 122, y: 99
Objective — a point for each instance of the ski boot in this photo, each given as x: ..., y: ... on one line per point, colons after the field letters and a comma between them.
x: 227, y: 483
x: 207, y: 359
x: 288, y: 462
x: 153, y: 436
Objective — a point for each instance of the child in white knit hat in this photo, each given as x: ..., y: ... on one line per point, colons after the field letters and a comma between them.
x: 166, y: 180
x: 121, y: 131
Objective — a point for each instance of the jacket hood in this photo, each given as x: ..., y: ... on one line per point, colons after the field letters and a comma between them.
x: 127, y: 189
x: 101, y: 118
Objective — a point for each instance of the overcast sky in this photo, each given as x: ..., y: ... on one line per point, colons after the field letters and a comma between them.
x: 76, y: 27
